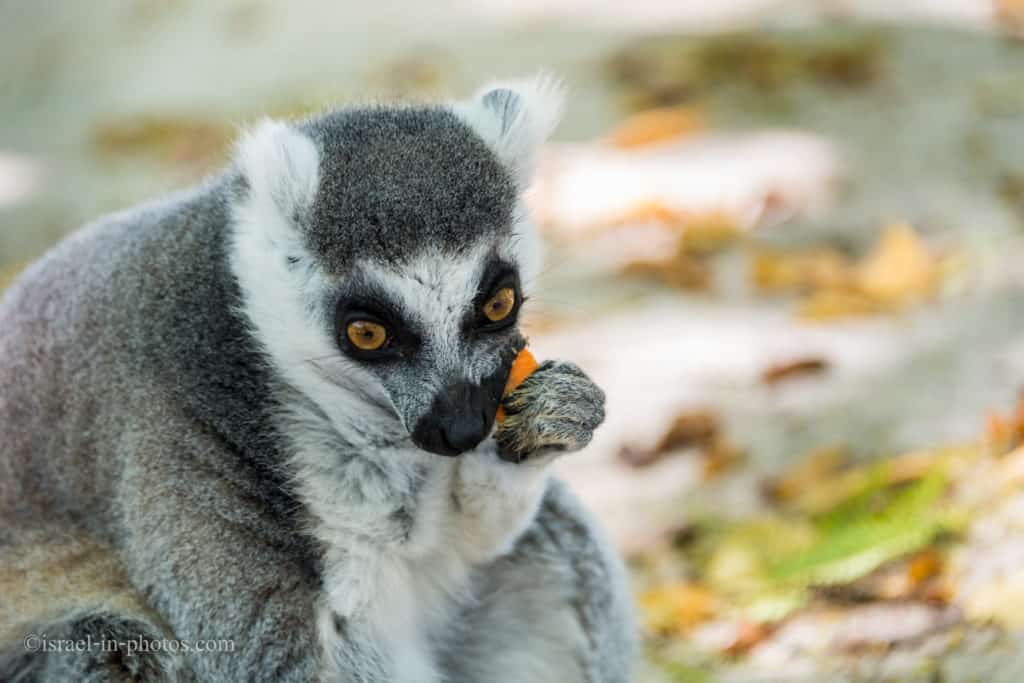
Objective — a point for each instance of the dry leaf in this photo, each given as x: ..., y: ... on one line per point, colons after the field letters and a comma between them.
x: 809, y: 269
x: 639, y: 457
x: 656, y: 126
x: 701, y: 233
x: 707, y: 234
x: 900, y: 270
x: 831, y: 304
x: 998, y: 432
x: 811, y: 365
x: 173, y: 140
x: 918, y: 577
x: 720, y: 456
x: 683, y: 271
x: 923, y: 566
x: 650, y: 212
x: 1004, y: 433
x: 698, y: 428
x: 1009, y: 15
x: 748, y: 634
x: 729, y: 636
x: 808, y: 473
x: 686, y: 267
x: 675, y: 608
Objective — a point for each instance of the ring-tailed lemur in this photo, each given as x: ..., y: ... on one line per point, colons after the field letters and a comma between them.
x: 226, y: 415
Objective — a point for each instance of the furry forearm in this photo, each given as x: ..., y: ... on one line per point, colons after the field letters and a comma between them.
x: 499, y: 485
x: 495, y: 501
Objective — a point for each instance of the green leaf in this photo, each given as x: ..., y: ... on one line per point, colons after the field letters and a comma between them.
x: 861, y: 537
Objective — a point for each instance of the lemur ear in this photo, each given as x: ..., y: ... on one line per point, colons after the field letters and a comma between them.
x: 282, y: 167
x: 515, y: 118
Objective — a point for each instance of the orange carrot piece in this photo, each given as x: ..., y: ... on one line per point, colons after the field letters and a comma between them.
x: 522, y: 367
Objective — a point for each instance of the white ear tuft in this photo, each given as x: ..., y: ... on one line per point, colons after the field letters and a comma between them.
x: 282, y: 166
x: 515, y: 118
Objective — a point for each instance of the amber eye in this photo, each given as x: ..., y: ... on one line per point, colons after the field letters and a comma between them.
x: 498, y: 307
x: 366, y: 335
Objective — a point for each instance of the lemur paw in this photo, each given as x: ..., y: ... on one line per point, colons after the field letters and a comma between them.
x: 556, y: 409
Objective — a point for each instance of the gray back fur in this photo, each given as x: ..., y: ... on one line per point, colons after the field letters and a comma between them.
x: 142, y: 305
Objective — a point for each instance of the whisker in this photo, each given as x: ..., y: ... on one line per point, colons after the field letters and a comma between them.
x: 557, y: 304
x: 321, y: 358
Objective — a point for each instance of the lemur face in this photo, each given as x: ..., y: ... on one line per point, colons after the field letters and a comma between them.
x: 439, y: 334
x: 384, y: 255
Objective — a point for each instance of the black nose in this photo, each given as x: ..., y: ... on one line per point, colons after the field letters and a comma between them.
x: 463, y: 432
x: 459, y: 418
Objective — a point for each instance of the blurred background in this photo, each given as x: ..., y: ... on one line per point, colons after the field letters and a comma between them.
x: 787, y: 237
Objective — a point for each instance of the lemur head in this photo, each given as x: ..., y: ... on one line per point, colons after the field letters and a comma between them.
x: 383, y: 255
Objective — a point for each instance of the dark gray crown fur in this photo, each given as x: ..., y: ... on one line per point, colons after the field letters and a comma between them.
x: 398, y: 179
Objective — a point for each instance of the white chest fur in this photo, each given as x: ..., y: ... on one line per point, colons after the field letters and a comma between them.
x: 398, y: 577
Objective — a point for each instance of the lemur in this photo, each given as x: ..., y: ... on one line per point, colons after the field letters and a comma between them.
x: 262, y: 409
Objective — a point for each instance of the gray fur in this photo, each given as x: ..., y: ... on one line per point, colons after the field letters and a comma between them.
x: 140, y: 415
x: 149, y: 415
x: 396, y: 178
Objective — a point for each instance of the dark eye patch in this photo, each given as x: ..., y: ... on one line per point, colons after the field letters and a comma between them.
x: 364, y: 301
x: 497, y: 274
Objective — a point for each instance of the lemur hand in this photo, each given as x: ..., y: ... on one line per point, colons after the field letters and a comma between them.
x: 555, y: 410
